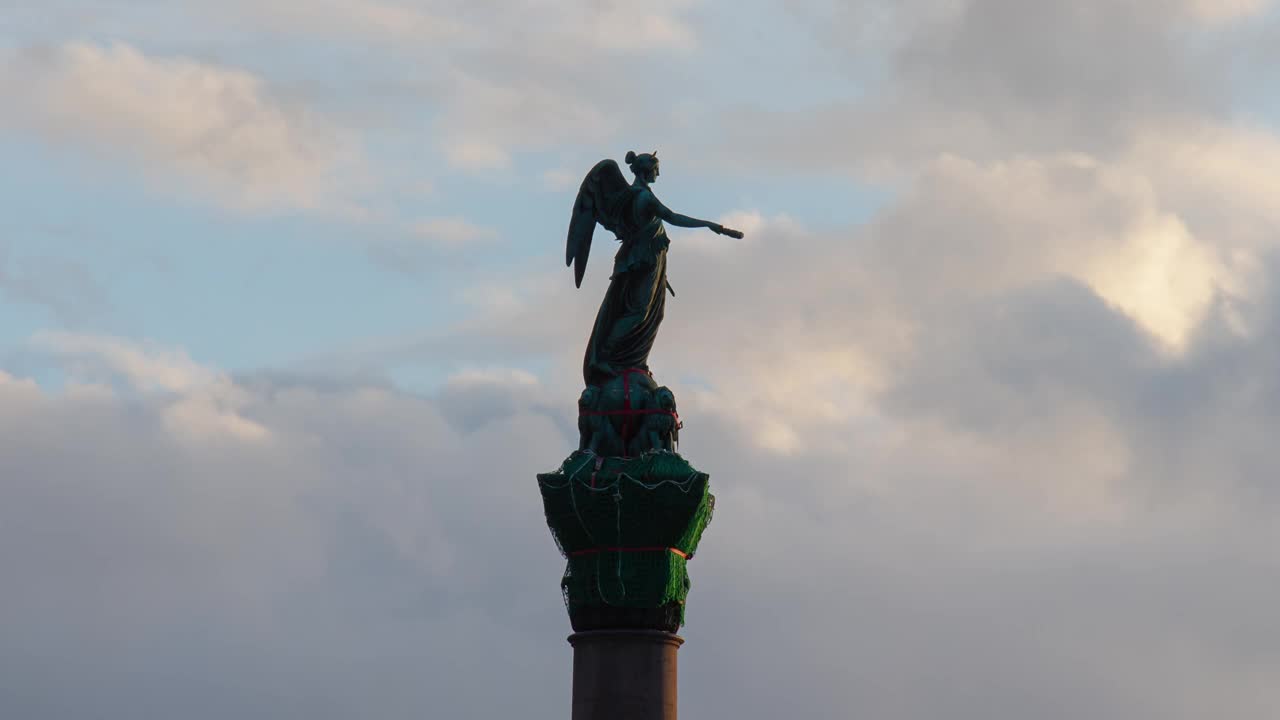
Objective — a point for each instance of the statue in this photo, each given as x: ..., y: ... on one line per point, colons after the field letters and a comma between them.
x: 659, y: 429
x: 626, y: 510
x: 632, y: 310
x: 596, y: 431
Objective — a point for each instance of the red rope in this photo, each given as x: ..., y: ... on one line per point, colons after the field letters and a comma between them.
x: 650, y: 411
x: 628, y: 412
x: 592, y: 551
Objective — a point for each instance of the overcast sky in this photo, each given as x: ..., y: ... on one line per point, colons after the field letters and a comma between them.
x: 989, y: 394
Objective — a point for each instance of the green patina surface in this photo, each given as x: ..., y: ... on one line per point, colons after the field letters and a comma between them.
x: 616, y: 520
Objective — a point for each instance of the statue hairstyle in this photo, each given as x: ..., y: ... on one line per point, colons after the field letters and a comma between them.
x: 640, y: 162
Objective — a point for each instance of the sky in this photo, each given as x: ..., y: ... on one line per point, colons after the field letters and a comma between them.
x: 987, y: 394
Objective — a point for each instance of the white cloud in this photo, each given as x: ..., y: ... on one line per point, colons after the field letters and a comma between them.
x: 1162, y: 277
x: 452, y: 231
x: 220, y: 130
x: 489, y: 116
x: 488, y: 376
x: 570, y: 28
x: 1228, y: 10
x: 636, y: 27
x: 560, y: 180
x: 1223, y: 176
x: 202, y: 404
x: 477, y: 155
x: 170, y: 370
x: 1076, y: 215
x: 383, y: 20
x: 578, y: 64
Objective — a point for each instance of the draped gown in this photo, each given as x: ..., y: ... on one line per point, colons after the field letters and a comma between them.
x: 627, y: 322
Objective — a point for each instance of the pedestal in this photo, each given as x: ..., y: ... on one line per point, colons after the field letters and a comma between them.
x: 624, y: 674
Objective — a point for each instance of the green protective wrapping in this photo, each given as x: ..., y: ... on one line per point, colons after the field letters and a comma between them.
x: 616, y: 519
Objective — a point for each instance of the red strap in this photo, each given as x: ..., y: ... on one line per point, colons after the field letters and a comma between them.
x: 592, y: 551
x: 650, y: 411
x: 628, y: 412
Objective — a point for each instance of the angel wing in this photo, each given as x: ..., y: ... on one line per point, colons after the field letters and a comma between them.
x: 601, y: 199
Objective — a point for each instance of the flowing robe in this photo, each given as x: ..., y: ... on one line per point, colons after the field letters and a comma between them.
x: 627, y: 322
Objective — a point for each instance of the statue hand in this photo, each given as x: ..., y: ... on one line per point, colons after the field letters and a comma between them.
x: 722, y: 230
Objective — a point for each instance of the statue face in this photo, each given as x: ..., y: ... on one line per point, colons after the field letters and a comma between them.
x: 646, y: 167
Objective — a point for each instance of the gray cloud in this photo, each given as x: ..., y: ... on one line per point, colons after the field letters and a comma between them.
x: 989, y: 78
x: 497, y: 78
x: 67, y: 287
x: 379, y: 552
x: 158, y: 566
x: 1005, y: 450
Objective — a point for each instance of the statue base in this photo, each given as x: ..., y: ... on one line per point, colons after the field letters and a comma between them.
x: 666, y: 618
x: 624, y: 674
x: 627, y: 528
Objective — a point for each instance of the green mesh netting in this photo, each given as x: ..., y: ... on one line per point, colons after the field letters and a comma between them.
x: 615, y: 519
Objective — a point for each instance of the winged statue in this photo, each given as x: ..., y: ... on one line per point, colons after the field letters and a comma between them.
x: 626, y: 496
x: 627, y: 322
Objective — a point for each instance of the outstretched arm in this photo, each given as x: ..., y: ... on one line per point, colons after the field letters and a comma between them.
x: 649, y: 202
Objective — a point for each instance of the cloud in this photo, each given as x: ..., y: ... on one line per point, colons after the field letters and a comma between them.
x: 1024, y: 140
x: 1228, y: 10
x: 576, y: 63
x: 983, y: 79
x: 476, y: 155
x: 559, y: 180
x: 219, y: 130
x: 629, y: 27
x: 66, y: 287
x: 1009, y: 223
x: 356, y: 515
x: 577, y: 26
x: 1003, y: 450
x: 425, y: 244
x: 489, y: 116
x: 452, y: 231
x: 373, y: 553
x: 202, y: 405
x: 370, y: 18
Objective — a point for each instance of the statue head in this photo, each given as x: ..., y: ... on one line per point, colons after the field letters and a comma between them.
x: 644, y: 165
x: 664, y: 398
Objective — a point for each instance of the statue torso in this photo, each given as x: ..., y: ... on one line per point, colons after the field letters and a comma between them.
x: 644, y: 238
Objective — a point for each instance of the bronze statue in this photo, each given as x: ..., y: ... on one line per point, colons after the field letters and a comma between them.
x: 628, y: 319
x: 626, y: 509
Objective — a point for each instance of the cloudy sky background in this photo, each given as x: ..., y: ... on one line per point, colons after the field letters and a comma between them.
x: 988, y: 394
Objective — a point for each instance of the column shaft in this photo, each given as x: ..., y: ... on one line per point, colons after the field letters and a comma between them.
x: 624, y: 674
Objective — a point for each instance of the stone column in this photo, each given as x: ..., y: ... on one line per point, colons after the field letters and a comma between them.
x: 624, y: 674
